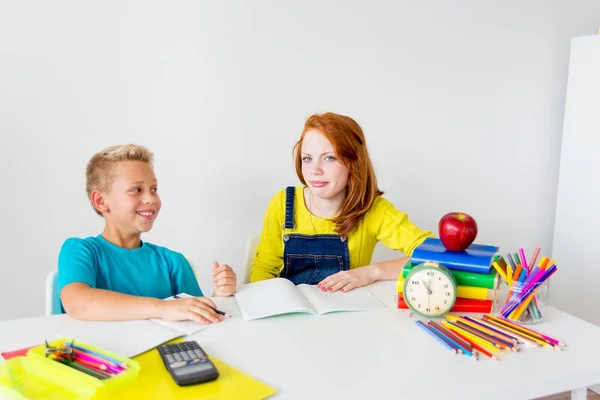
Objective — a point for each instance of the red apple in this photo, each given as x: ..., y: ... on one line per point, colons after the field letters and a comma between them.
x: 457, y: 231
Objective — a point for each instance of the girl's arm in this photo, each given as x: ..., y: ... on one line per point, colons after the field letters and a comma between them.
x: 363, y: 276
x: 387, y: 270
x: 393, y: 228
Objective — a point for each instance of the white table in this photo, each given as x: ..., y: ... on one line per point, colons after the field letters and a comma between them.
x: 382, y: 354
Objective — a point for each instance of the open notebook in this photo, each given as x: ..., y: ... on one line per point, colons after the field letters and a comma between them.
x: 280, y: 296
x: 253, y: 301
x: 130, y: 338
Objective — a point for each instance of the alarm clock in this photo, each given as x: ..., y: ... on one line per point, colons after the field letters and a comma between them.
x: 429, y: 290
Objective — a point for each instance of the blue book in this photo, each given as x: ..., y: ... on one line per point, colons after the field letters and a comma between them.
x: 476, y: 258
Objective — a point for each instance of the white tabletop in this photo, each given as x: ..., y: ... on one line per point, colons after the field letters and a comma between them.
x: 379, y: 354
x: 383, y: 354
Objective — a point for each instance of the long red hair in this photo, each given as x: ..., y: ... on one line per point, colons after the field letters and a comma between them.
x: 348, y: 141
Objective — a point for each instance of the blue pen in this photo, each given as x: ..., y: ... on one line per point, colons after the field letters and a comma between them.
x: 452, y: 341
x: 429, y: 331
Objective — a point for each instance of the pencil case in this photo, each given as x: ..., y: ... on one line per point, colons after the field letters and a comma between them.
x: 36, y: 377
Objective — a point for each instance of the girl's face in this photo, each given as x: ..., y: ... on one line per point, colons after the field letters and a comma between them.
x: 325, y: 176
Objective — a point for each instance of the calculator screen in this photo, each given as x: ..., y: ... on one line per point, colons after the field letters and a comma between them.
x: 192, y: 369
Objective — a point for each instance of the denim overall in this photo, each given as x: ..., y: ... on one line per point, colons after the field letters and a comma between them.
x: 311, y: 258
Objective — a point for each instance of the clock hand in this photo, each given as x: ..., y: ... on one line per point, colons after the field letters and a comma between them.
x: 426, y: 287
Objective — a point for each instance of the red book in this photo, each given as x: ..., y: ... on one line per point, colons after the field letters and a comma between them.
x: 462, y: 305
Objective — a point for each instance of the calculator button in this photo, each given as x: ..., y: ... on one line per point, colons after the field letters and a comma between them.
x: 186, y: 357
x: 178, y: 364
x: 191, y: 354
x: 198, y: 353
x: 170, y: 358
x: 178, y: 357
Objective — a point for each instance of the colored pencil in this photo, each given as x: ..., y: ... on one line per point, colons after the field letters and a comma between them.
x: 523, y: 335
x: 82, y: 368
x: 533, y: 260
x: 504, y: 334
x: 451, y: 335
x: 498, y: 269
x: 470, y: 336
x: 527, y: 330
x: 455, y: 344
x: 101, y: 356
x: 497, y: 342
x: 439, y: 339
x: 523, y: 258
x: 487, y: 331
x: 511, y: 261
x: 477, y: 347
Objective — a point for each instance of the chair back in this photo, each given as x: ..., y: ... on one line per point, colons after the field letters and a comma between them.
x: 250, y: 252
x: 52, y: 295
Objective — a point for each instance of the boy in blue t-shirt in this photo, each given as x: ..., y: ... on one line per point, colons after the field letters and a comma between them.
x: 115, y: 275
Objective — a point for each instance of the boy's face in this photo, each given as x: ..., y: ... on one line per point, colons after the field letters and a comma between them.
x: 133, y: 202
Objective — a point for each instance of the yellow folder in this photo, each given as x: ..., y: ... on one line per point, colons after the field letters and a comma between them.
x: 155, y: 382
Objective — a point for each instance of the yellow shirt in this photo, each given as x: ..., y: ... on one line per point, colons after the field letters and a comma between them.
x: 382, y: 223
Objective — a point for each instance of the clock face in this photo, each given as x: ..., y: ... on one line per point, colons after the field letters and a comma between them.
x: 429, y: 291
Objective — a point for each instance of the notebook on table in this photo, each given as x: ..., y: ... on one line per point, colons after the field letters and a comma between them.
x: 279, y: 296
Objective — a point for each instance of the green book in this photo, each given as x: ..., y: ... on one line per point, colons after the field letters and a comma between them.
x: 464, y: 278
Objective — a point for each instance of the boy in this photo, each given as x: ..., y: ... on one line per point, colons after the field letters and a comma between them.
x: 116, y: 276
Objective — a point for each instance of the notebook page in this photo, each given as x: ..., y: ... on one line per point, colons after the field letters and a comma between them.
x: 270, y: 297
x: 225, y: 304
x: 359, y: 299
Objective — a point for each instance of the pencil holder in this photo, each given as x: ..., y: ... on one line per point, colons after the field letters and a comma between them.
x: 525, y: 304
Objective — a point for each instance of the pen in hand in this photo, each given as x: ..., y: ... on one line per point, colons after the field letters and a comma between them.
x: 224, y: 314
x: 221, y: 312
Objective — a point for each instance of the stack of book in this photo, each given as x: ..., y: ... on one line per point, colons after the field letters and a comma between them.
x: 472, y: 268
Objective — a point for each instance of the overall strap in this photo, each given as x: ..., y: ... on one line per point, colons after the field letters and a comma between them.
x: 290, y: 193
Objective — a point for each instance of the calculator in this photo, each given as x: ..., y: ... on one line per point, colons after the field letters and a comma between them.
x: 187, y: 363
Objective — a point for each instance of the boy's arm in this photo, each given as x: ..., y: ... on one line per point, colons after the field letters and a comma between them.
x: 86, y: 303
x: 81, y: 301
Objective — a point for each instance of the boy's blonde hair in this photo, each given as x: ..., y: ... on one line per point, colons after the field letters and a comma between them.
x: 100, y: 171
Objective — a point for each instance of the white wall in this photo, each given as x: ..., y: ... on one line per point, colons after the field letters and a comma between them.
x: 576, y: 235
x: 462, y: 106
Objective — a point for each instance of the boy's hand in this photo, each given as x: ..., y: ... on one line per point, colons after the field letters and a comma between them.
x: 200, y: 309
x: 224, y: 279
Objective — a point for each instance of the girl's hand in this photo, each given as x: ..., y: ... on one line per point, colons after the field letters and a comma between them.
x: 224, y: 279
x: 348, y: 280
x: 199, y: 309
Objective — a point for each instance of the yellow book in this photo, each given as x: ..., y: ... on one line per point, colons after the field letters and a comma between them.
x: 466, y: 292
x: 155, y: 382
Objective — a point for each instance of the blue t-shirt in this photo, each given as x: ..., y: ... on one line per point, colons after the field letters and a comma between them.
x: 149, y: 271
